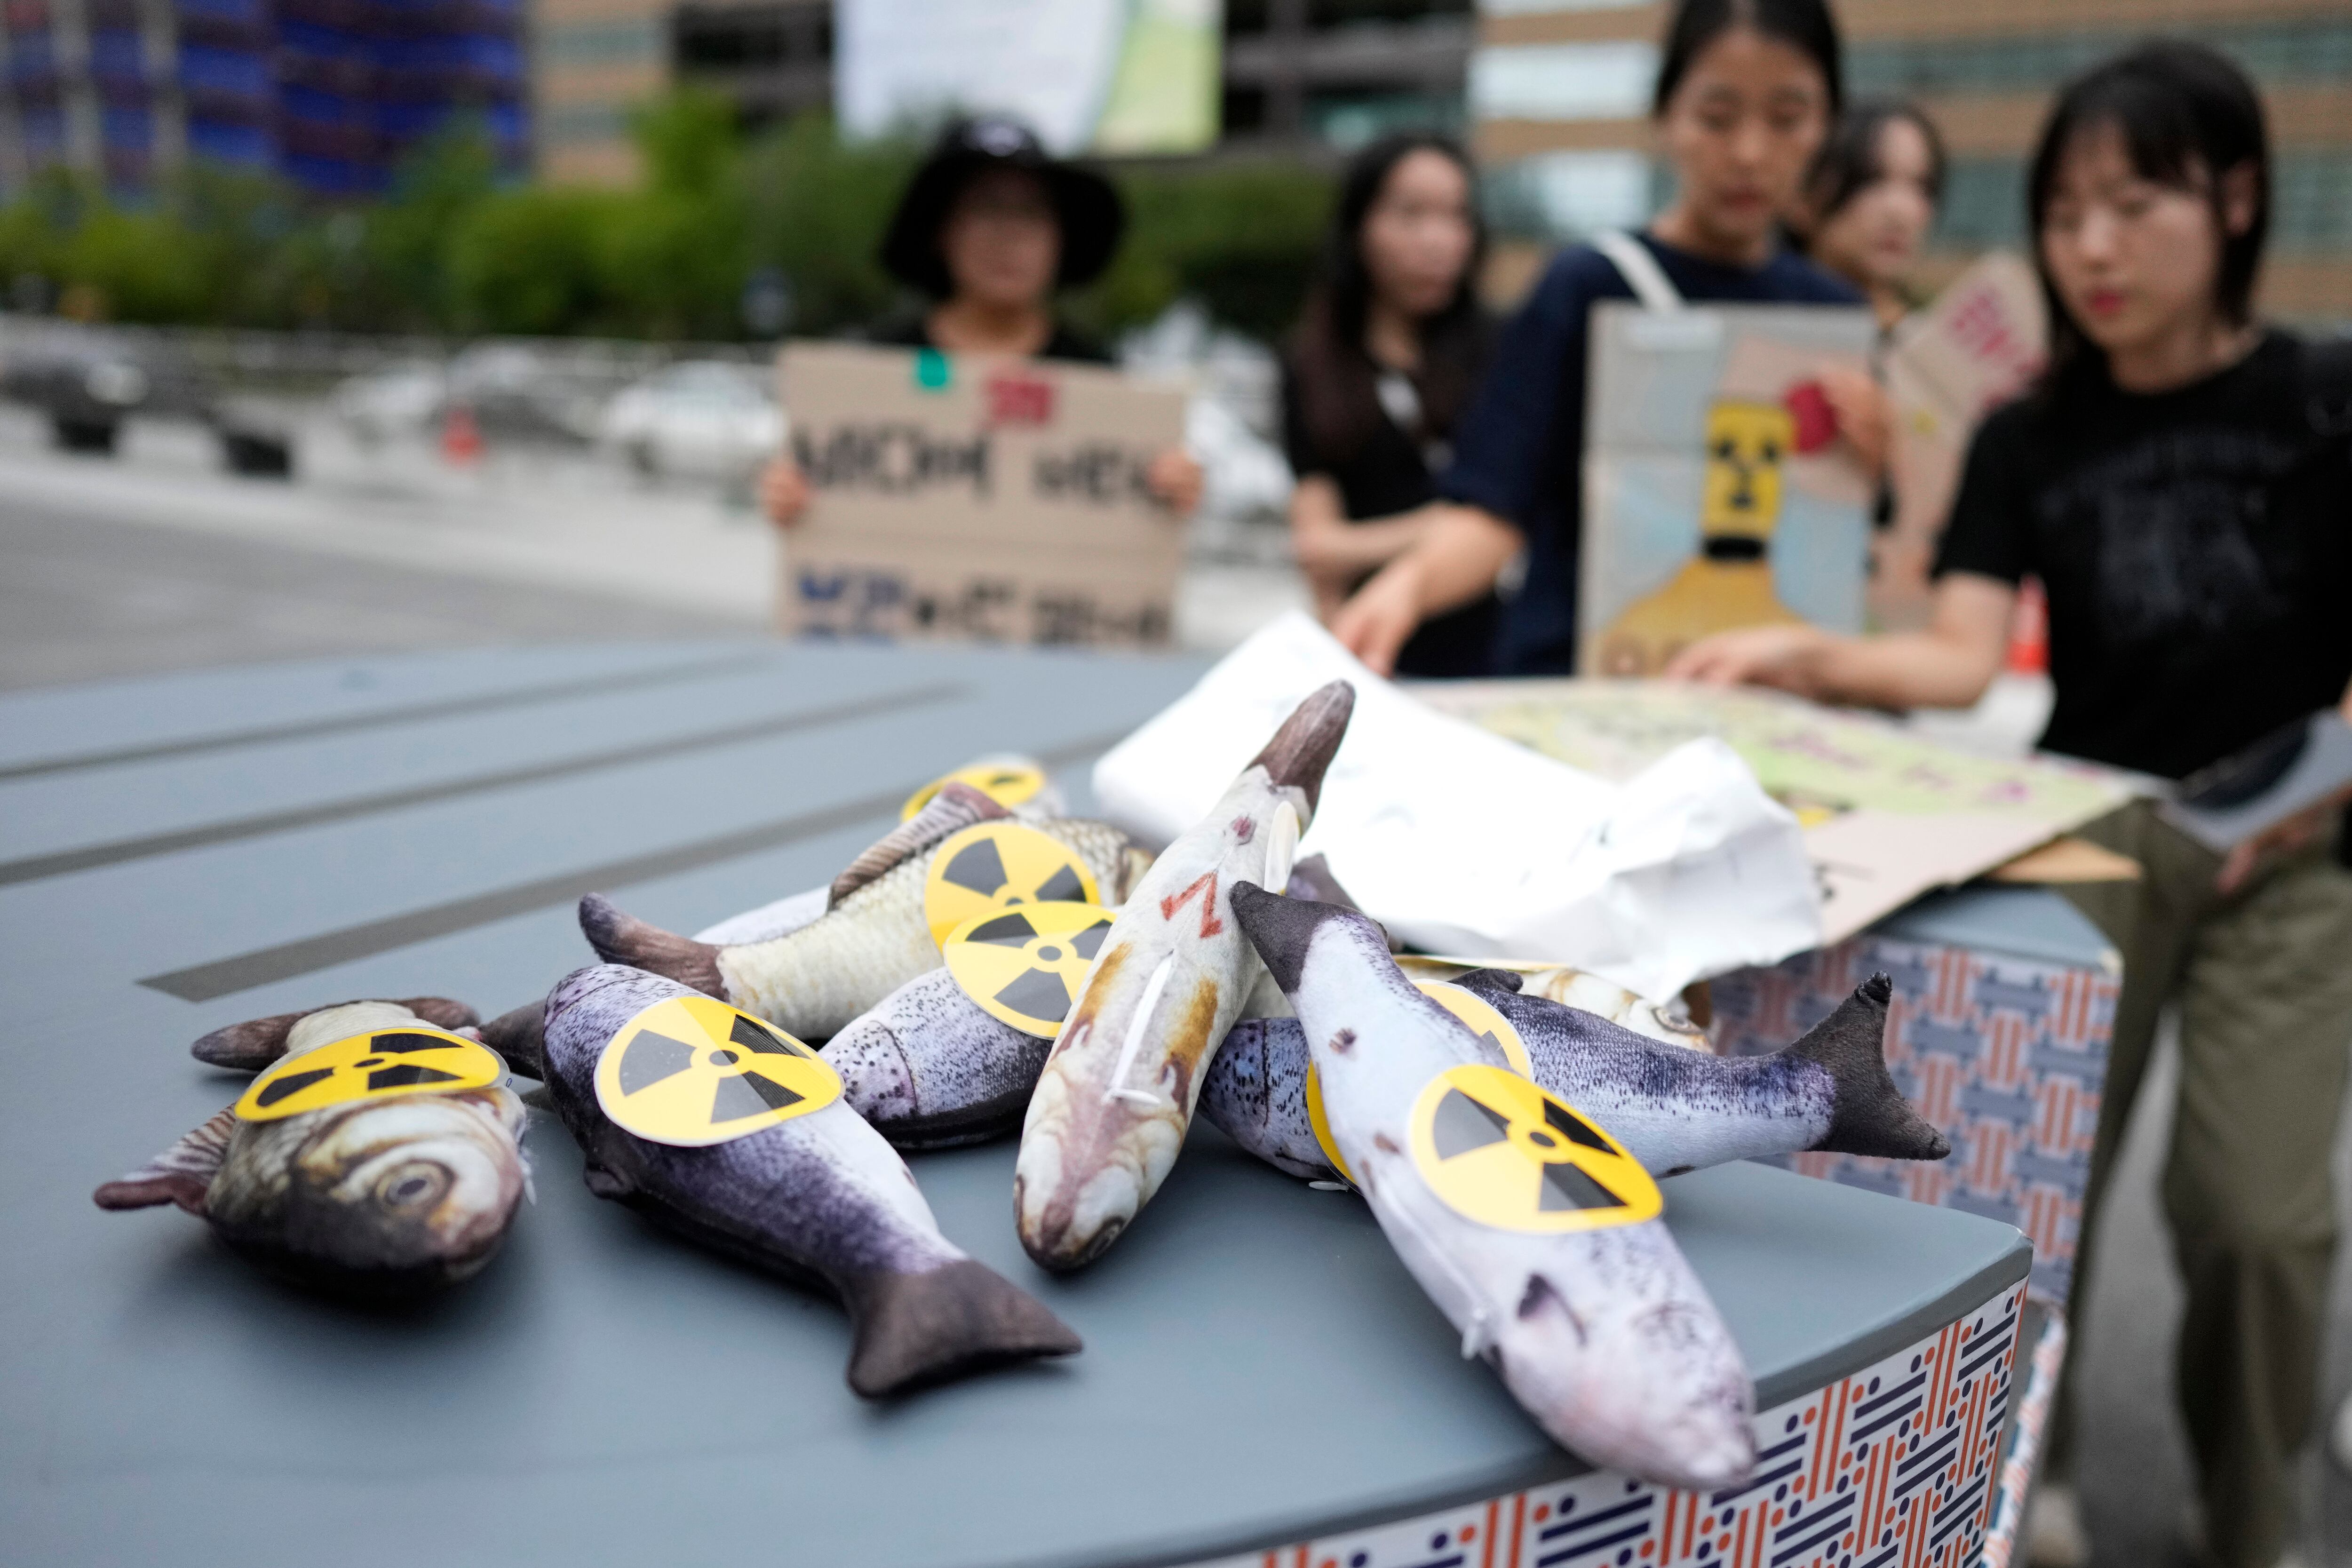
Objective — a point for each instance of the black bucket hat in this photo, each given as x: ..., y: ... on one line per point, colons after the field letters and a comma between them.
x: 1091, y: 216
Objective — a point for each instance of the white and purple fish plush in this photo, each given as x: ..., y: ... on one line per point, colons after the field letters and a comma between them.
x: 814, y: 978
x: 820, y: 1196
x: 1675, y: 1109
x: 373, y: 1198
x: 1603, y: 1335
x: 1116, y: 1097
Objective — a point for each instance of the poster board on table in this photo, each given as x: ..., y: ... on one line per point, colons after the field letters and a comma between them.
x: 1979, y: 345
x: 1717, y: 492
x: 1886, y: 814
x: 977, y: 499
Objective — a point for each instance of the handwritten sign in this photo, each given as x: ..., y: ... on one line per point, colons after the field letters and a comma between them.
x: 977, y: 499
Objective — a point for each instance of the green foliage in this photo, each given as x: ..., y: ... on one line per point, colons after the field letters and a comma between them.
x: 453, y: 248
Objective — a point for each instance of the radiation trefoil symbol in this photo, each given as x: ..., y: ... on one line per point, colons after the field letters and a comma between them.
x: 994, y: 865
x: 379, y: 1065
x: 1008, y: 781
x: 1026, y: 966
x: 1473, y: 1009
x: 691, y: 1071
x: 1498, y: 1150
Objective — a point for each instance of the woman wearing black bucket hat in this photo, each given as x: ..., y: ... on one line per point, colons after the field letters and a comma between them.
x: 990, y: 228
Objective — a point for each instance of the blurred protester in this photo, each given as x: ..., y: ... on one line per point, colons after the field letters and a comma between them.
x: 1747, y: 91
x: 989, y: 228
x: 2181, y: 483
x: 1862, y: 213
x: 1391, y: 347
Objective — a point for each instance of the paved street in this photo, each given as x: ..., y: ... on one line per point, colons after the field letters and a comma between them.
x: 157, y: 562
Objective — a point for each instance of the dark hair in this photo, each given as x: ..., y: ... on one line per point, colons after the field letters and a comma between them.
x: 1086, y: 207
x: 2187, y: 117
x: 1849, y: 160
x: 1336, y: 382
x: 1805, y: 26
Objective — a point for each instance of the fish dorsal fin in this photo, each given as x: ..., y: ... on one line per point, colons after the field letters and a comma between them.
x: 256, y: 1043
x: 181, y: 1175
x: 955, y: 807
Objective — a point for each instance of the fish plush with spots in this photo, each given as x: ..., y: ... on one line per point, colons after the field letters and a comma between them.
x: 387, y: 1187
x: 1116, y: 1096
x: 1571, y: 1288
x: 1675, y: 1109
x: 819, y: 1199
x: 873, y: 937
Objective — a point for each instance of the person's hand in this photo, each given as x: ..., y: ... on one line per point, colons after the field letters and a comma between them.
x: 2284, y: 837
x: 1175, y: 476
x: 784, y: 494
x: 1384, y: 612
x: 1863, y: 415
x: 1786, y: 657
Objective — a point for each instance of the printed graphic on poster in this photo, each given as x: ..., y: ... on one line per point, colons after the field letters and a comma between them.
x: 1978, y: 345
x: 977, y: 499
x: 1089, y: 76
x: 1717, y: 492
x: 1886, y: 814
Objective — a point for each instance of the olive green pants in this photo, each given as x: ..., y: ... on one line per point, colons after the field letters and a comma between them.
x: 2263, y: 983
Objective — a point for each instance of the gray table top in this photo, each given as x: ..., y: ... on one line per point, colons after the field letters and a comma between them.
x: 180, y: 853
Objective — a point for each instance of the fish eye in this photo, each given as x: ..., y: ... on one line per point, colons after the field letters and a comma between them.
x: 410, y: 1186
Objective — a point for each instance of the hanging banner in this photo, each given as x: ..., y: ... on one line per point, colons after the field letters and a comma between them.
x: 977, y: 499
x: 1088, y: 76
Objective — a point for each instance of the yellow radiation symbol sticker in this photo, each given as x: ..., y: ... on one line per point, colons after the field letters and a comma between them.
x: 379, y: 1065
x: 1463, y: 1004
x: 1497, y: 1149
x: 1008, y: 781
x: 692, y: 1071
x: 994, y: 865
x: 1026, y: 966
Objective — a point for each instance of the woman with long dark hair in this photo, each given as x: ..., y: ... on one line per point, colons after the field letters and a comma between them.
x: 1747, y: 90
x: 1391, y: 346
x: 1867, y: 202
x: 2181, y: 482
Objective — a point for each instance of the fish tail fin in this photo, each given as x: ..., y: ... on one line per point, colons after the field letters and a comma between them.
x: 1869, y: 1114
x: 919, y: 1329
x: 1302, y: 747
x: 181, y: 1175
x: 521, y: 1037
x: 624, y: 938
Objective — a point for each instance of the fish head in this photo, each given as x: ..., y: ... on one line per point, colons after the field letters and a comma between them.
x: 1295, y: 760
x: 1295, y: 936
x: 394, y: 1197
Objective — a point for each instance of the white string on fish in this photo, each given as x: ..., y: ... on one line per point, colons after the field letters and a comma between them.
x: 1135, y: 1028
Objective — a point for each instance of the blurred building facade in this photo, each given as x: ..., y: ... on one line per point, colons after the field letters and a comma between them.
x: 1311, y: 76
x: 1559, y: 94
x: 329, y: 93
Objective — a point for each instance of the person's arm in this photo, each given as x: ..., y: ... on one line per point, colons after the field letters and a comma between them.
x: 1334, y: 553
x: 1949, y: 665
x: 1460, y: 552
x: 1176, y: 477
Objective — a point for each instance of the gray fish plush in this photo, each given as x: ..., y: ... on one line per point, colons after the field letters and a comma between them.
x: 1674, y: 1109
x: 820, y: 1198
x: 380, y: 1198
x: 873, y: 937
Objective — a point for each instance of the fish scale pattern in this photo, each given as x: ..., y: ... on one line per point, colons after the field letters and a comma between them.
x: 1891, y: 1467
x: 2005, y: 1055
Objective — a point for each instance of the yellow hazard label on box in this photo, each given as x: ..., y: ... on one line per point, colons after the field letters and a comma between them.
x: 691, y: 1071
x: 1026, y: 966
x: 378, y: 1064
x: 1498, y: 1150
x: 992, y: 865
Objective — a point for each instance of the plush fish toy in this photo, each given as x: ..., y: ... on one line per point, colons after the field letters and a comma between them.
x: 1537, y: 1235
x: 379, y: 1155
x: 874, y: 935
x: 735, y: 1135
x: 1116, y: 1097
x: 1675, y: 1109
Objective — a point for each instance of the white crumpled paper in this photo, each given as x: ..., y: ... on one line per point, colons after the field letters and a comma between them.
x: 1460, y: 841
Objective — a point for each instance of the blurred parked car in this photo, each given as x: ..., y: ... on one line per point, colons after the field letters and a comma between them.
x: 515, y: 394
x: 698, y: 418
x: 385, y: 405
x: 87, y: 381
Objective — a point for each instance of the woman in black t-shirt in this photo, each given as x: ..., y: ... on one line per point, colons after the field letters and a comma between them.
x: 989, y: 228
x: 2182, y: 485
x: 1391, y: 347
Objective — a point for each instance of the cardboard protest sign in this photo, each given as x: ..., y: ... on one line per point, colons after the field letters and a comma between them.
x: 1716, y: 492
x: 976, y: 499
x: 1886, y: 814
x: 1978, y: 345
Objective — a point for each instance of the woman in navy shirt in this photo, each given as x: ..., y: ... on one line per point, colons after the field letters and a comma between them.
x: 1747, y: 91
